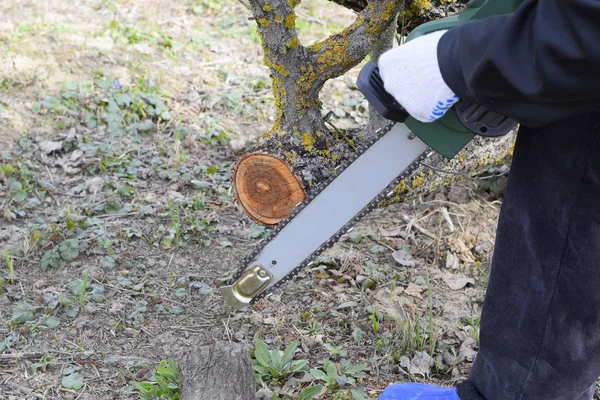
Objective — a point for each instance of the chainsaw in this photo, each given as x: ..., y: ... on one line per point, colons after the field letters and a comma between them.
x: 360, y: 184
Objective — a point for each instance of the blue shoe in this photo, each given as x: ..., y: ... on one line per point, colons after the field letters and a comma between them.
x: 418, y: 391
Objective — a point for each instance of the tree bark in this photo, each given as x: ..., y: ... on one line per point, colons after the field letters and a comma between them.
x: 222, y: 371
x: 301, y: 139
x: 415, y: 12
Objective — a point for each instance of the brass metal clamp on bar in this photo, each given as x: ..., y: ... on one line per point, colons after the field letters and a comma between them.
x: 247, y: 287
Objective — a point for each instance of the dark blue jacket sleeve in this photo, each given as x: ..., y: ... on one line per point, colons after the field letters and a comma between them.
x: 537, y: 65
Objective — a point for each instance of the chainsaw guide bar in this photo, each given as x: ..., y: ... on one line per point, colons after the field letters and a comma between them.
x: 355, y: 188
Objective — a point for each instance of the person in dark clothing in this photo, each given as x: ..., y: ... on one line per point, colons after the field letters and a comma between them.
x: 540, y: 324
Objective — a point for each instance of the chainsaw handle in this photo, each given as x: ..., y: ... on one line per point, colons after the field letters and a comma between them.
x: 476, y: 118
x: 481, y: 121
x: 370, y: 83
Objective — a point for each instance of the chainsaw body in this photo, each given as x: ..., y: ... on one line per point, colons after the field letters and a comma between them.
x: 449, y: 134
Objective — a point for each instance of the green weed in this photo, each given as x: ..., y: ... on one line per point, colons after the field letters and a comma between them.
x: 474, y: 323
x: 274, y: 365
x: 346, y: 376
x: 131, y: 35
x: 82, y: 291
x: 11, y: 266
x: 135, y: 108
x: 165, y: 382
x: 313, y: 328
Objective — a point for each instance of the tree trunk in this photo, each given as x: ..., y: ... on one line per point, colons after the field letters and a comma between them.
x: 300, y: 136
x: 222, y: 371
x: 301, y: 151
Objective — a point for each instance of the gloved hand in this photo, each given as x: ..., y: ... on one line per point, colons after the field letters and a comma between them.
x: 411, y: 74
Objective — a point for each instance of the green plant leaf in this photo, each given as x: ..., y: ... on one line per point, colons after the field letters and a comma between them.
x: 72, y: 381
x: 22, y: 313
x: 274, y: 371
x: 224, y: 242
x: 69, y: 249
x: 288, y: 354
x: 354, y: 369
x: 358, y: 394
x: 310, y: 392
x: 261, y: 370
x: 331, y: 370
x: 107, y: 262
x: 71, y: 311
x: 50, y: 321
x: 298, y: 365
x: 318, y: 374
x: 276, y: 359
x: 49, y: 260
x: 355, y: 237
x: 161, y: 381
x: 76, y: 286
x: 261, y: 352
x: 257, y: 231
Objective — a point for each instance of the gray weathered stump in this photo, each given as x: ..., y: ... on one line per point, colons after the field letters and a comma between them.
x: 222, y: 371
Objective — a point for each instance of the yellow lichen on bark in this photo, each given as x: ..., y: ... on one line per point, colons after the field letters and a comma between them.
x: 293, y: 43
x: 335, y: 54
x: 290, y: 21
x: 304, y: 84
x: 376, y: 26
x: 418, y: 7
x: 308, y: 142
x: 279, y: 68
x: 418, y: 180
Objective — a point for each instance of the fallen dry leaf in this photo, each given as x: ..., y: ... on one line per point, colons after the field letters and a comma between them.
x: 414, y: 290
x: 457, y: 282
x: 457, y: 245
x: 390, y: 303
x: 48, y: 146
x: 41, y: 283
x: 393, y: 232
x: 420, y: 364
x: 452, y: 261
x: 403, y: 258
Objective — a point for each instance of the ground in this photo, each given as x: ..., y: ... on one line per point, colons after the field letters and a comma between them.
x: 121, y: 121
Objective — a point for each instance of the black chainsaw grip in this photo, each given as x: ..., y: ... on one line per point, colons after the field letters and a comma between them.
x: 482, y: 121
x: 370, y: 84
x: 473, y: 116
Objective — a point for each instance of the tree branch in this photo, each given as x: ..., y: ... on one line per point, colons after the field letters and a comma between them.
x: 335, y: 55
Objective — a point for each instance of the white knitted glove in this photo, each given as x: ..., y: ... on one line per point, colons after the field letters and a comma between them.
x: 411, y: 74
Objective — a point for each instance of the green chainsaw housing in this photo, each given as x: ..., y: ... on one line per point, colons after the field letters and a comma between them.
x: 448, y: 135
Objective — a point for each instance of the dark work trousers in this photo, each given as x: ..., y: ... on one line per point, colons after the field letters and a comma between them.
x: 540, y: 323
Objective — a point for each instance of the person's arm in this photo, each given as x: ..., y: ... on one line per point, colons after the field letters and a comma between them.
x: 537, y: 65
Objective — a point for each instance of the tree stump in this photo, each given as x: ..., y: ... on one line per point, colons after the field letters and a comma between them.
x: 222, y: 371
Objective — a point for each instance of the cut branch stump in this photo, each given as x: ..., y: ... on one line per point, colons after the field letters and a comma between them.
x: 222, y: 371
